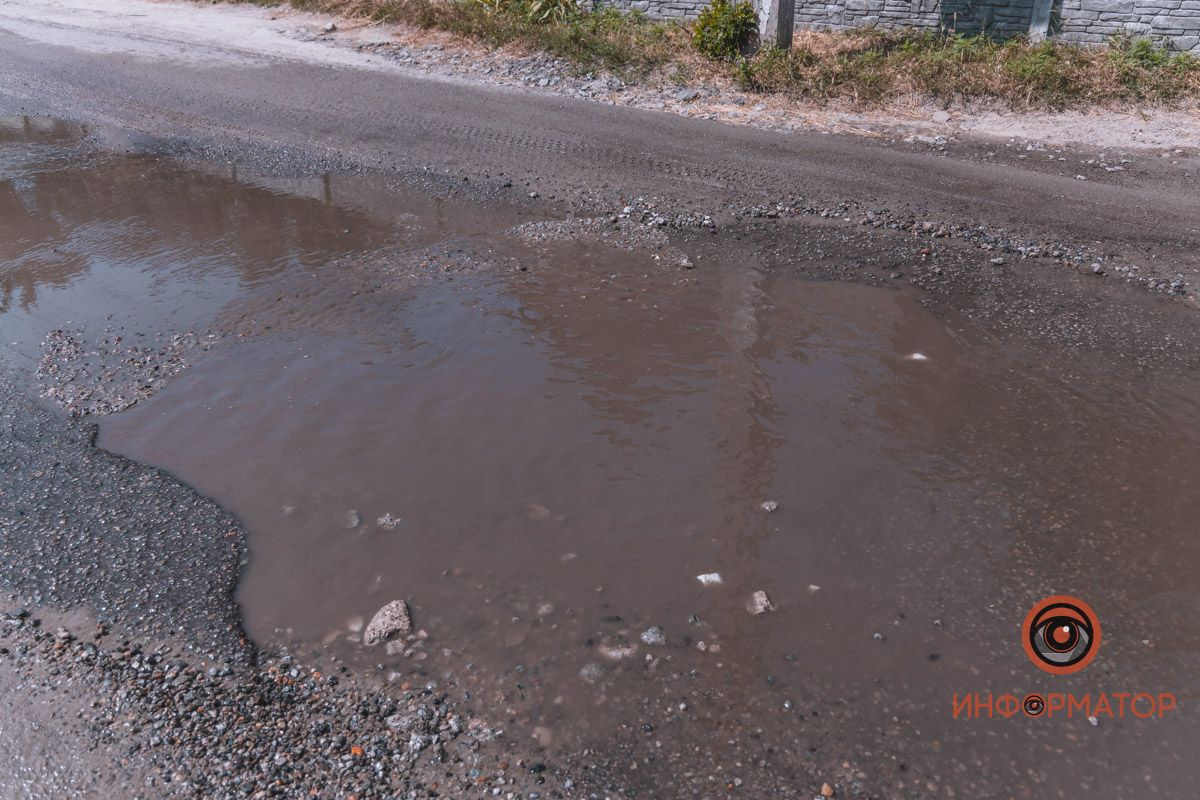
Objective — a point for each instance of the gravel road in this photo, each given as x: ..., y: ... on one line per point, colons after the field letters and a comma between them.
x: 226, y: 77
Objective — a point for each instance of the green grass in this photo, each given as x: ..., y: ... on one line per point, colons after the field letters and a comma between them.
x: 865, y: 67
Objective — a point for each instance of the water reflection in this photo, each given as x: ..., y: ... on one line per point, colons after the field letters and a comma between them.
x: 166, y: 246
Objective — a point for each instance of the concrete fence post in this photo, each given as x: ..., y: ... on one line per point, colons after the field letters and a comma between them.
x: 1039, y: 20
x: 775, y: 20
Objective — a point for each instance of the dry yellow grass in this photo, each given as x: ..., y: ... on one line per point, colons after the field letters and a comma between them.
x: 866, y: 67
x: 876, y: 67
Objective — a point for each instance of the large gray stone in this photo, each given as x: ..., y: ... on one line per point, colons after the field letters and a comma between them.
x: 388, y: 621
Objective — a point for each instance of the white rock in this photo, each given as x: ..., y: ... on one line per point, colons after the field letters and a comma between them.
x: 769, y: 505
x: 654, y: 636
x: 759, y: 603
x: 617, y: 650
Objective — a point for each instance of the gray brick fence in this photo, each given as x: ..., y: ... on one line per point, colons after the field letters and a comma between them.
x: 1177, y: 21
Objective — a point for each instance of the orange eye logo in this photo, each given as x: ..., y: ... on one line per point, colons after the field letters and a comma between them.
x: 1061, y: 634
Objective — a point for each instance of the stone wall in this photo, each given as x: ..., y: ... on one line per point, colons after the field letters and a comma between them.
x: 661, y: 9
x: 1096, y: 20
x: 1070, y: 20
x: 965, y: 16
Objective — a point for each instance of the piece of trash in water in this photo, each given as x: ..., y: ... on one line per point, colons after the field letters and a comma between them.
x: 916, y: 357
x: 354, y: 624
x: 759, y: 603
x: 813, y: 588
x: 654, y: 636
x: 388, y: 522
x: 392, y: 618
x: 710, y: 578
x: 769, y: 505
x: 353, y: 520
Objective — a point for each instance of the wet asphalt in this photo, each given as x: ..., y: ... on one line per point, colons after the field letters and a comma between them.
x: 80, y: 526
x: 172, y: 699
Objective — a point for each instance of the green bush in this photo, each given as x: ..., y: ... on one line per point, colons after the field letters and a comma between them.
x: 725, y: 29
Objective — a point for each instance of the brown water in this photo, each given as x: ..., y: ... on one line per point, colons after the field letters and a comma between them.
x: 561, y: 436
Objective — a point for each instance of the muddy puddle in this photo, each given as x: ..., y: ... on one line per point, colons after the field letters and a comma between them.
x: 540, y: 446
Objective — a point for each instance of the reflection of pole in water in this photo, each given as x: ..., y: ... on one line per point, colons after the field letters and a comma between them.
x: 745, y: 460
